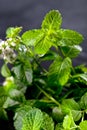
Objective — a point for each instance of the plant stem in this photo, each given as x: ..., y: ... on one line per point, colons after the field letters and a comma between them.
x: 48, y: 96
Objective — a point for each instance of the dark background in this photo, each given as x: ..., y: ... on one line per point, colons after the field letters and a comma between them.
x: 30, y: 13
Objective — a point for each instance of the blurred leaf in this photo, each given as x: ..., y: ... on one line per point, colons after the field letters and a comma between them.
x: 83, y: 125
x: 5, y: 71
x: 83, y: 101
x: 12, y: 32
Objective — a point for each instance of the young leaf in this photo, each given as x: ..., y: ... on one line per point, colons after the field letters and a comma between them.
x: 52, y: 20
x: 83, y: 125
x: 59, y: 71
x: 33, y: 120
x: 38, y: 39
x: 12, y: 32
x: 70, y: 37
x: 5, y: 71
x: 31, y: 37
x: 71, y: 51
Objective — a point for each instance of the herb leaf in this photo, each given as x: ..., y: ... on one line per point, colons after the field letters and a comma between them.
x: 59, y: 71
x: 52, y: 20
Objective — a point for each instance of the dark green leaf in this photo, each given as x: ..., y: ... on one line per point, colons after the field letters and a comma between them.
x: 52, y: 20
x: 3, y: 114
x: 57, y: 114
x: 59, y: 71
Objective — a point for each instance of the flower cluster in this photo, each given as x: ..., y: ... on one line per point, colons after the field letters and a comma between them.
x: 6, y: 50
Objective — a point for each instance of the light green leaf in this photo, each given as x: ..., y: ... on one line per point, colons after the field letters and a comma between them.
x: 5, y: 71
x: 70, y: 105
x: 83, y: 125
x: 38, y: 40
x: 33, y: 120
x: 48, y: 123
x: 19, y: 115
x: 52, y: 20
x: 83, y: 101
x: 31, y: 37
x: 67, y: 122
x: 59, y: 71
x: 71, y: 51
x: 12, y: 32
x: 70, y: 37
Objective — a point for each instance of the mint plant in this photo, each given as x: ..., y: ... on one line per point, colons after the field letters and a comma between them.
x: 39, y: 97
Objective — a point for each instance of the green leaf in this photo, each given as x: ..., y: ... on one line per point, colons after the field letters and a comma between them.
x: 29, y: 75
x: 33, y: 120
x: 31, y: 37
x: 59, y: 71
x: 10, y: 103
x: 48, y: 123
x: 83, y: 125
x: 70, y: 105
x: 57, y: 114
x: 59, y: 126
x: 2, y: 100
x: 38, y: 40
x: 81, y: 78
x: 70, y: 37
x: 12, y: 32
x: 19, y: 115
x: 71, y: 51
x: 67, y: 122
x: 83, y: 101
x: 3, y: 114
x: 52, y: 20
x: 5, y: 71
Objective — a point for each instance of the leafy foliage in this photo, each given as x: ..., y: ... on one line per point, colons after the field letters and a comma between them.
x: 40, y: 97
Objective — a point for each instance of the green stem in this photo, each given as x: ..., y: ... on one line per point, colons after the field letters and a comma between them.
x: 48, y: 96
